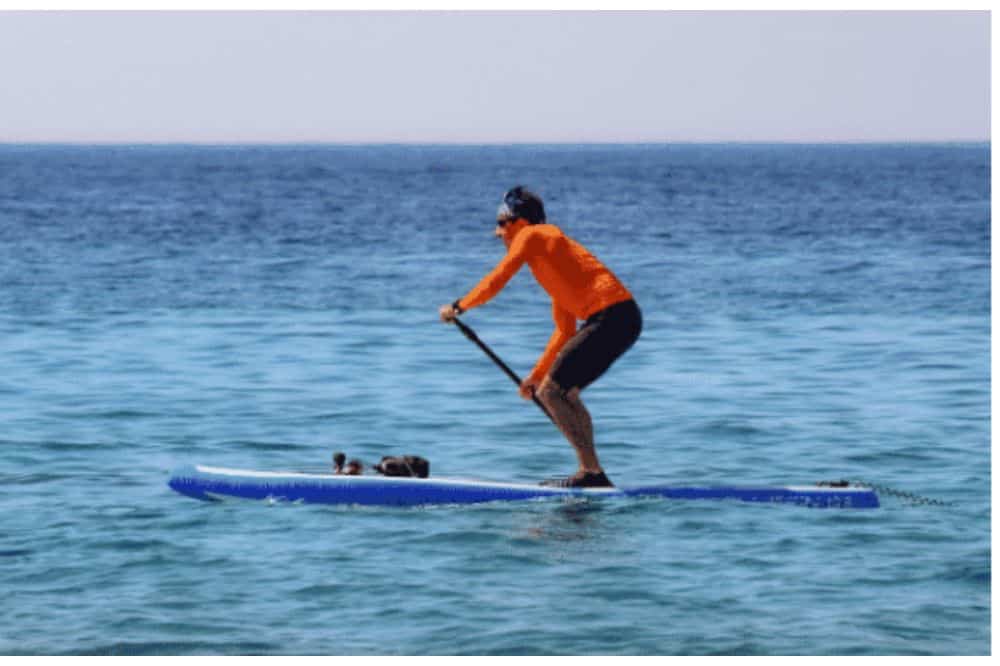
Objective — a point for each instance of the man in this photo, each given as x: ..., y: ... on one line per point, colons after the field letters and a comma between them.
x: 581, y: 288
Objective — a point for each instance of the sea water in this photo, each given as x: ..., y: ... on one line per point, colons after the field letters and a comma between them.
x: 811, y: 313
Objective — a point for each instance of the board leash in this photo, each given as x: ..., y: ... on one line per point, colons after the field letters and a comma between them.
x: 912, y: 498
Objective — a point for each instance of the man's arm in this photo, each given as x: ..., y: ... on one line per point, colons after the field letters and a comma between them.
x: 565, y: 329
x: 498, y: 278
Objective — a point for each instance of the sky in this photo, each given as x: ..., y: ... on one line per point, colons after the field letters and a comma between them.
x: 492, y: 77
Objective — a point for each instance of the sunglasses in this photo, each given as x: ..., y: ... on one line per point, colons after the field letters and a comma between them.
x: 504, y: 222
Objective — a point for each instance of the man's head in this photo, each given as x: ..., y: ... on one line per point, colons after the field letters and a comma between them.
x: 519, y: 203
x: 520, y: 208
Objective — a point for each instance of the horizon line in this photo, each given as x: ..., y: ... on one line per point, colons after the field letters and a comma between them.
x: 499, y: 144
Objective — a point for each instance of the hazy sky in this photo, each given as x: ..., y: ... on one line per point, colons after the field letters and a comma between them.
x: 494, y: 77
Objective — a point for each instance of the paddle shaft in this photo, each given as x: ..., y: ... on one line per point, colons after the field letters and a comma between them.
x: 469, y: 333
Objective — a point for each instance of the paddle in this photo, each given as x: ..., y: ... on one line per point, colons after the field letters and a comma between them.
x: 469, y: 333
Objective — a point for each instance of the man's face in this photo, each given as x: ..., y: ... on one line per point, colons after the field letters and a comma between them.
x: 507, y: 229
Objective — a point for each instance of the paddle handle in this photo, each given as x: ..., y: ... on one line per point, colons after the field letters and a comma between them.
x: 469, y: 333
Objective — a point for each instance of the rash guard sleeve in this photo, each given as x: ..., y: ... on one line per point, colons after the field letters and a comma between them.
x: 498, y: 278
x: 565, y: 329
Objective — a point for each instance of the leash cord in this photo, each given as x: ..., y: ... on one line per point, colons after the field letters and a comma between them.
x: 912, y: 498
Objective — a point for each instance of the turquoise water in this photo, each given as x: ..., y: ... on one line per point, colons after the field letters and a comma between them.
x: 811, y: 312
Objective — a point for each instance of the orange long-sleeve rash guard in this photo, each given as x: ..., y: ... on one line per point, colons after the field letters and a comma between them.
x: 577, y: 282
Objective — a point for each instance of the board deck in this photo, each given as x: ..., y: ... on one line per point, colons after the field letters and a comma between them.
x: 215, y: 483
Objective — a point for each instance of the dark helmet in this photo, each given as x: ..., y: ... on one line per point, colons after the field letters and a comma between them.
x: 520, y: 202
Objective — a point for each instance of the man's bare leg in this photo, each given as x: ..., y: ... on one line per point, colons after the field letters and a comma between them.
x: 573, y: 420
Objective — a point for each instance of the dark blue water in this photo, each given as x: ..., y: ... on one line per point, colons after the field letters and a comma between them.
x: 812, y: 312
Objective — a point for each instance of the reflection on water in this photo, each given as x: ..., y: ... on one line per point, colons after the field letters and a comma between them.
x: 569, y: 520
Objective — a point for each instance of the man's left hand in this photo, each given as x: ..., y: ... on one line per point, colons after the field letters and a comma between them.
x: 527, y: 389
x: 448, y: 313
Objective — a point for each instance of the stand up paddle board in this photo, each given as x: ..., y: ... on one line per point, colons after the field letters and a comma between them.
x: 217, y: 483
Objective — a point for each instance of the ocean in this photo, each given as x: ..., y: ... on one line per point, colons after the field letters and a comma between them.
x: 812, y: 312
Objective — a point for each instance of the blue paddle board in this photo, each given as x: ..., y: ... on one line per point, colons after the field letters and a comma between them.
x: 217, y: 483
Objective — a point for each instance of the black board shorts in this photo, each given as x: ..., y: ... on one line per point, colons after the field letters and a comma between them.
x: 600, y: 341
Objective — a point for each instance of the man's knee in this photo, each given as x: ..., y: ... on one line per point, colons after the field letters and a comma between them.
x: 549, y: 391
